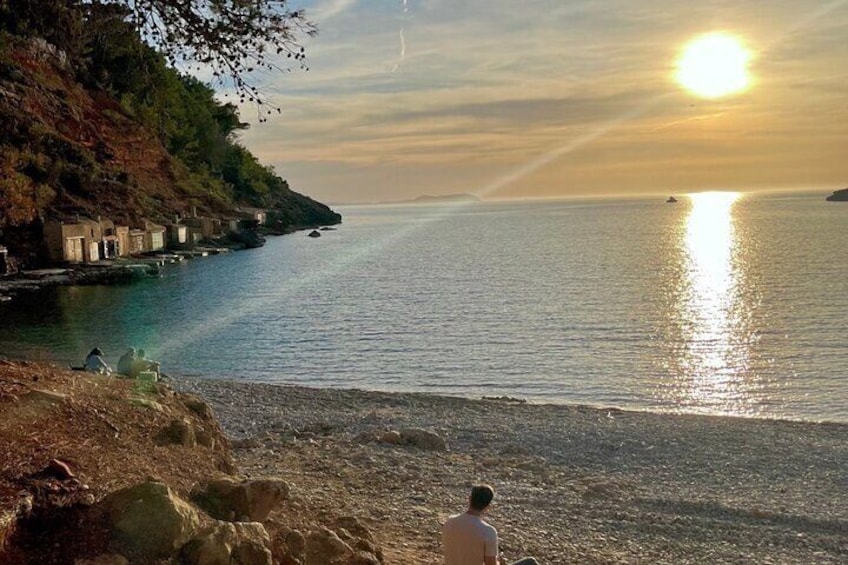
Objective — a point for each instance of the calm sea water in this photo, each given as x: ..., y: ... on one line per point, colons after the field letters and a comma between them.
x: 711, y: 305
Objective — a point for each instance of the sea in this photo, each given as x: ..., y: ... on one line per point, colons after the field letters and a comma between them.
x: 721, y: 303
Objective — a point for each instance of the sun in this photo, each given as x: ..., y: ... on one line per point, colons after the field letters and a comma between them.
x: 714, y: 65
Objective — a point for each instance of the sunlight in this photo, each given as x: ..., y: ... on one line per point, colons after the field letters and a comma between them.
x: 713, y: 66
x: 714, y: 356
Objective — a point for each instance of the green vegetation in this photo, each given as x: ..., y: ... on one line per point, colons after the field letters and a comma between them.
x: 106, y: 125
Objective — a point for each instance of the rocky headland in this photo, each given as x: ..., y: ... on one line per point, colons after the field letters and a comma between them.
x: 253, y: 473
x: 838, y: 196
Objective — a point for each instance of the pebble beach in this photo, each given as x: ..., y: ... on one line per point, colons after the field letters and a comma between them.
x: 574, y: 484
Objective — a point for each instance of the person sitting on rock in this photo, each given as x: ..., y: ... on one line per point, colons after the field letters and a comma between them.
x: 125, y: 363
x: 94, y: 363
x: 468, y: 540
x: 141, y: 364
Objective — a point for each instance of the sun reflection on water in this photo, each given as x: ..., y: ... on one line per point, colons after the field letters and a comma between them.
x: 715, y: 351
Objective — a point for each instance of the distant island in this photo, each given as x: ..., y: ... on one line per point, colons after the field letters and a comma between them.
x: 428, y: 198
x: 838, y: 196
x: 423, y: 199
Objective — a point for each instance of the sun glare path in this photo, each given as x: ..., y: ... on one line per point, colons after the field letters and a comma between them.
x: 714, y: 65
x: 715, y: 354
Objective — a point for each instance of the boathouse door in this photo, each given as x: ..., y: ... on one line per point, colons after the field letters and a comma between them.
x: 74, y: 250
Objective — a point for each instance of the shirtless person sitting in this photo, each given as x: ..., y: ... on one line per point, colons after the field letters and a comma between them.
x: 468, y: 540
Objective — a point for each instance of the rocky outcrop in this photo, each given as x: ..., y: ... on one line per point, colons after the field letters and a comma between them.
x: 241, y: 501
x: 325, y: 547
x: 838, y: 196
x: 224, y: 543
x: 148, y: 520
x: 79, y: 475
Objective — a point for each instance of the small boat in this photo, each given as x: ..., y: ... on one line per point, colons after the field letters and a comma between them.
x: 671, y: 200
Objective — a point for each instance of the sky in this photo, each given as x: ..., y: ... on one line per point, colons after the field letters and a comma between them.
x: 553, y: 98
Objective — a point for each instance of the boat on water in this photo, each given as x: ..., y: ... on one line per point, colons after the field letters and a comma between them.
x: 671, y: 200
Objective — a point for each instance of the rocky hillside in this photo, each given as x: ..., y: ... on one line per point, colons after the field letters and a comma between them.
x: 70, y: 148
x: 98, y: 469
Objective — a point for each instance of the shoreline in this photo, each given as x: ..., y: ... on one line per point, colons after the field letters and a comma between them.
x: 575, y: 484
x: 510, y: 399
x: 121, y: 271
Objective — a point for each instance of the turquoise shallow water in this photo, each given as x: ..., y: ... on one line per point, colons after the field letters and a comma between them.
x: 711, y: 305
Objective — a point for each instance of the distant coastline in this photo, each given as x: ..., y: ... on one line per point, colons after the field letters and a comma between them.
x: 838, y: 196
x: 423, y: 199
x: 427, y: 198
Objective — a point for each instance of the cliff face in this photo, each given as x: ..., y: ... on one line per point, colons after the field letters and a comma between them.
x: 66, y: 149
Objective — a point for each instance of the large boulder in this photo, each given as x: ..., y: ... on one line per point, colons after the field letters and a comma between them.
x: 240, y: 501
x: 149, y: 519
x: 226, y: 543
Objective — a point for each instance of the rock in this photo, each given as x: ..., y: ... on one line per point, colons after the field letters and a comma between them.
x: 391, y: 437
x: 48, y: 397
x: 9, y: 524
x: 368, y: 547
x: 296, y: 543
x: 247, y: 443
x: 231, y: 500
x: 149, y: 404
x: 314, y: 233
x: 198, y: 406
x: 206, y: 439
x: 363, y: 558
x: 355, y: 527
x: 225, y: 543
x: 105, y: 559
x: 59, y: 469
x: 367, y: 437
x: 149, y: 519
x: 423, y: 439
x: 324, y: 547
x: 179, y: 432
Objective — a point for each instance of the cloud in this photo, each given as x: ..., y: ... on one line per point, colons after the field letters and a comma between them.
x: 490, y: 87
